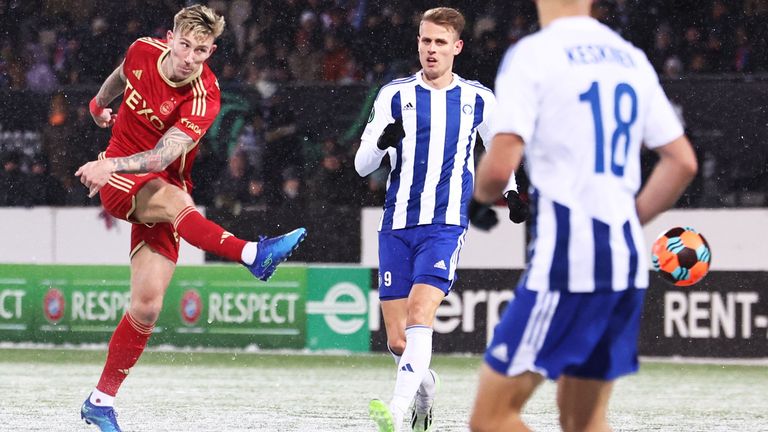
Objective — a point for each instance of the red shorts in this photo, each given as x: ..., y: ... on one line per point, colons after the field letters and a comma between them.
x: 118, y: 197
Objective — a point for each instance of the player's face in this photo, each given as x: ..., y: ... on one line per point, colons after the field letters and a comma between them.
x: 188, y: 53
x: 438, y: 46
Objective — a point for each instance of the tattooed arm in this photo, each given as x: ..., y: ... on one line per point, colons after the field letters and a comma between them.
x: 171, y: 145
x: 112, y: 87
x: 174, y: 143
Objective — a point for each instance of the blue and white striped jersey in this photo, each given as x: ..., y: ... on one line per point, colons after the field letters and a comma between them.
x: 433, y: 167
x: 584, y: 101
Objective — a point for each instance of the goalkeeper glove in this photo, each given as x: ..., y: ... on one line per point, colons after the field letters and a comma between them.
x: 518, y: 209
x: 482, y: 216
x: 392, y: 135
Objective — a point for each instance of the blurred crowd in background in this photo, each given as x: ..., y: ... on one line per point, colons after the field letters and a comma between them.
x: 47, y: 46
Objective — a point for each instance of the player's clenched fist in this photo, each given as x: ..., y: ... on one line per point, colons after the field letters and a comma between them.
x: 518, y: 208
x: 95, y: 174
x: 392, y: 135
x: 101, y: 115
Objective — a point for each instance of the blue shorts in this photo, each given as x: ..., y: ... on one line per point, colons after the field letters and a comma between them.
x: 425, y: 254
x: 583, y: 335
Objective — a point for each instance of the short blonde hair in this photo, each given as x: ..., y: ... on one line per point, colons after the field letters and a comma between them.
x: 447, y: 17
x: 200, y: 20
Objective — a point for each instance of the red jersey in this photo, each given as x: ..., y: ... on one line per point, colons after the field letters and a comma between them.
x: 152, y: 104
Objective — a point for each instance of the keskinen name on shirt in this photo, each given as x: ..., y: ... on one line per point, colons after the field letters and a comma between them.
x: 593, y: 54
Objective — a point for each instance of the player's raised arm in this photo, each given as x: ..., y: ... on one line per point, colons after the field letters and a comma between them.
x: 112, y: 87
x: 94, y: 175
x: 676, y: 168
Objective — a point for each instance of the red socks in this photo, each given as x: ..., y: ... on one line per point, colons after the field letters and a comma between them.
x: 208, y: 236
x: 125, y: 348
x: 130, y: 336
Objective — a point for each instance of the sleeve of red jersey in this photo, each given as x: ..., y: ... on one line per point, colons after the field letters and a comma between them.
x: 198, y: 113
x: 130, y: 55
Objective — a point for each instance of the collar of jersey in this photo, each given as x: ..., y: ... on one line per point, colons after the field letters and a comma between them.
x: 191, y: 78
x: 572, y: 21
x: 420, y: 80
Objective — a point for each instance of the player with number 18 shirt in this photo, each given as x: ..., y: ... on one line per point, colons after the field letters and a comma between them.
x: 580, y: 102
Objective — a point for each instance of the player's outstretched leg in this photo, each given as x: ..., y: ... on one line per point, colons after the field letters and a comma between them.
x: 382, y: 416
x: 104, y: 417
x: 272, y: 251
x: 422, y: 419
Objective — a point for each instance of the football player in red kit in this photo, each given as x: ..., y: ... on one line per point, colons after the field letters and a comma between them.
x: 170, y: 99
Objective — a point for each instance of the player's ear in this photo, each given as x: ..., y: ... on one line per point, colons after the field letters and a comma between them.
x: 169, y: 36
x: 213, y: 49
x: 458, y: 46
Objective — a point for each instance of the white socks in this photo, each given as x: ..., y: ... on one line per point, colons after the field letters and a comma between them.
x: 426, y: 389
x: 412, y: 367
x: 100, y: 398
x: 426, y: 394
x: 248, y: 255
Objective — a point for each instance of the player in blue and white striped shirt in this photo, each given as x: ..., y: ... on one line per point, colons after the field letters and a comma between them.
x: 432, y: 168
x: 581, y: 101
x: 427, y: 124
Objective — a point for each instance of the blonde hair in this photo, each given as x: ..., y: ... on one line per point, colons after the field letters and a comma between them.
x: 447, y: 17
x: 200, y: 20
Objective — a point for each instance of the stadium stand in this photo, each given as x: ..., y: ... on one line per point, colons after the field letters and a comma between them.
x: 275, y: 65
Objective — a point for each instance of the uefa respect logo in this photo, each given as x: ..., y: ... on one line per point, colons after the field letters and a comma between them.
x: 53, y: 305
x: 344, y: 298
x: 191, y: 307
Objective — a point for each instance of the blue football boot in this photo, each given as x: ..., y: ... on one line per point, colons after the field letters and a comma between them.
x: 104, y: 417
x: 274, y: 250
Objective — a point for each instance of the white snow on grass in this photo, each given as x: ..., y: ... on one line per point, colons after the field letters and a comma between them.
x: 41, y: 390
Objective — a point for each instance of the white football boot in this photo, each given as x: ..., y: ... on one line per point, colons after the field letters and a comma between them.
x: 421, y: 417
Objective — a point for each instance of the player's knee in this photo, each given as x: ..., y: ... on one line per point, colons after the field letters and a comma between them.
x: 145, y: 315
x: 172, y: 200
x: 146, y: 310
x: 420, y: 314
x: 161, y: 201
x: 176, y: 199
x: 397, y: 346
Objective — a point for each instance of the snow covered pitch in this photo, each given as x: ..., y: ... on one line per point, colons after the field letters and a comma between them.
x: 42, y: 390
